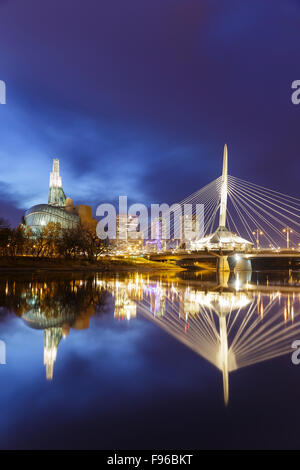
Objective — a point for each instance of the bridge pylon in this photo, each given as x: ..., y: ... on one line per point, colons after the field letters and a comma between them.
x: 224, y: 189
x: 222, y: 238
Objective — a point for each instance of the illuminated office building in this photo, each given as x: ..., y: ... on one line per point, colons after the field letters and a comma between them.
x: 158, y: 235
x: 128, y: 239
x: 190, y: 230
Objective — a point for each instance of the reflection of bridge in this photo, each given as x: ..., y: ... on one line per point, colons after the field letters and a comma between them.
x: 231, y: 329
x: 232, y: 325
x: 205, y: 254
x: 247, y: 214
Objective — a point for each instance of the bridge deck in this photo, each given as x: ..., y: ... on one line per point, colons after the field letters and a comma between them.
x: 210, y: 255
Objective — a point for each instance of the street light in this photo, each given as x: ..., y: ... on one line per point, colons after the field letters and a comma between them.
x: 257, y: 232
x: 287, y: 230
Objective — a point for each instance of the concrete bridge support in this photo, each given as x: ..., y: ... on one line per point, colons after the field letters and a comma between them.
x: 241, y: 264
x: 222, y: 264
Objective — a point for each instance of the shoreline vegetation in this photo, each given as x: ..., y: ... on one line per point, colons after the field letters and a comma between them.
x: 70, y: 250
x: 105, y: 264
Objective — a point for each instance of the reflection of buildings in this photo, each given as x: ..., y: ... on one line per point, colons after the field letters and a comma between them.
x: 194, y: 300
x: 54, y: 307
x: 125, y: 308
x: 52, y: 337
x: 156, y: 296
x: 289, y: 311
x: 126, y: 294
x: 231, y: 327
x: 59, y: 208
x: 130, y: 292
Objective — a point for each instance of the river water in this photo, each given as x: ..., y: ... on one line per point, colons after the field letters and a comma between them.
x: 149, y: 362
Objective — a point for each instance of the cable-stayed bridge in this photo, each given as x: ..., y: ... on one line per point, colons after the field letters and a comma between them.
x: 241, y: 218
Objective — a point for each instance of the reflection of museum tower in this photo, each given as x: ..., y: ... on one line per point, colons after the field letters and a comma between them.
x: 52, y: 337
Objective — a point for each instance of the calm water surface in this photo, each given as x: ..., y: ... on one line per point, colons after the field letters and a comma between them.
x: 139, y: 362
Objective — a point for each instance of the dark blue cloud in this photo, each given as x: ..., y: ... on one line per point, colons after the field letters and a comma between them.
x: 138, y: 98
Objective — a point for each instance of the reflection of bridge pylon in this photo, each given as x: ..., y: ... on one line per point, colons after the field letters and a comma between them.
x: 227, y: 327
x: 223, y: 357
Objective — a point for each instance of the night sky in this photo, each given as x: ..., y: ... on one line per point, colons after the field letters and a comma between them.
x: 138, y: 97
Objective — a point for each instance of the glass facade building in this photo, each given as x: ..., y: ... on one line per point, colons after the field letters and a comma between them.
x: 59, y: 208
x: 40, y: 215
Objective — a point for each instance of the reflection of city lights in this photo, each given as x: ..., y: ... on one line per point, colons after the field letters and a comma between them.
x: 254, y: 324
x: 230, y: 329
x: 288, y: 310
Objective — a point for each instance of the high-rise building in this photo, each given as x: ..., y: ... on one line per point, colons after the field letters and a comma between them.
x: 158, y: 239
x: 190, y: 230
x: 128, y: 238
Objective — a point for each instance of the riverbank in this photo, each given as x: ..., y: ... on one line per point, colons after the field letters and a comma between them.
x: 105, y: 264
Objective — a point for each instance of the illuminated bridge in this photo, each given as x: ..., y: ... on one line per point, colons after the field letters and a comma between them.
x: 244, y: 224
